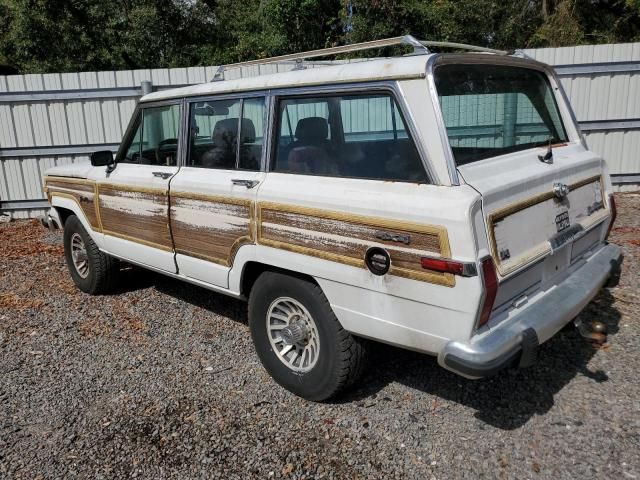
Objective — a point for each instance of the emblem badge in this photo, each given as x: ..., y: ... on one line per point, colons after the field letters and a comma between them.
x: 560, y: 190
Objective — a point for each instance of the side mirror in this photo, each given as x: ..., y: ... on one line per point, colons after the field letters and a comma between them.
x: 101, y: 158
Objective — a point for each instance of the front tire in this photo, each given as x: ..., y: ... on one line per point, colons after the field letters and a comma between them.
x: 92, y: 271
x: 299, y: 339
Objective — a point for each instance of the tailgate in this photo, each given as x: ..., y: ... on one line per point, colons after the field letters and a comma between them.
x: 541, y: 213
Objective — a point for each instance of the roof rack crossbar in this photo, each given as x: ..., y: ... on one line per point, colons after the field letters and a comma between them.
x: 418, y: 47
x: 463, y: 46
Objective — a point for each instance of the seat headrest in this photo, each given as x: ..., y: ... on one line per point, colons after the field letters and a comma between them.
x: 312, y: 129
x: 248, y: 131
x: 227, y: 129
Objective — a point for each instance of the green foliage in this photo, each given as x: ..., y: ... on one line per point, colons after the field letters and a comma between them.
x: 81, y: 35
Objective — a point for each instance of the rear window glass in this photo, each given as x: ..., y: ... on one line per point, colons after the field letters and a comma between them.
x: 353, y: 136
x: 491, y: 110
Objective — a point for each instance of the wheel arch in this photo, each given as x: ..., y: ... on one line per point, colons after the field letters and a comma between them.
x: 65, y: 207
x: 251, y: 270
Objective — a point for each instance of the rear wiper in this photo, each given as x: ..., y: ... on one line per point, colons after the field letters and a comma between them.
x: 548, y: 156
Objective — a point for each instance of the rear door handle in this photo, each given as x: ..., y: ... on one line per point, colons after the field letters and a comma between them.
x: 163, y: 175
x: 246, y: 183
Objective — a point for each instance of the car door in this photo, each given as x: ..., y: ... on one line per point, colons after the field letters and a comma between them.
x: 133, y: 197
x: 212, y: 198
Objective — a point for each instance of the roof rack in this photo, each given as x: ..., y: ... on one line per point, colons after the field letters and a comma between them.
x: 419, y: 47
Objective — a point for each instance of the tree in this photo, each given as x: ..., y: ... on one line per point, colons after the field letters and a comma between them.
x: 81, y: 35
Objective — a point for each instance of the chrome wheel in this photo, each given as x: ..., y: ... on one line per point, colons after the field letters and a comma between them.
x: 293, y: 334
x: 79, y: 255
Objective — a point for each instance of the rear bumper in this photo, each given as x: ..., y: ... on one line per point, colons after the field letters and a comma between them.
x: 518, y: 338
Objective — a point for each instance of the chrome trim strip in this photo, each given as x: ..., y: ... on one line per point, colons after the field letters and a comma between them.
x: 442, y: 129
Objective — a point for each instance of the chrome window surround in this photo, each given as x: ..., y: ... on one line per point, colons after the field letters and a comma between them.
x: 271, y: 96
x: 565, y: 111
x: 389, y: 86
x: 130, y: 131
x: 231, y: 96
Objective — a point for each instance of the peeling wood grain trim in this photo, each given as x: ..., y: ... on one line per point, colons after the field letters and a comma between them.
x: 138, y: 240
x: 97, y: 228
x: 78, y: 181
x: 246, y: 239
x: 373, y: 222
x: 123, y: 187
x: 537, y: 251
x: 155, y: 193
x: 212, y: 198
x: 74, y: 189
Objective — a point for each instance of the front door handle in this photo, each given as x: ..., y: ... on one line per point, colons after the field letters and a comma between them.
x: 246, y: 183
x: 163, y: 175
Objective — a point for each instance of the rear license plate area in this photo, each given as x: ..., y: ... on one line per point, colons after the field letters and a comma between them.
x: 557, y: 262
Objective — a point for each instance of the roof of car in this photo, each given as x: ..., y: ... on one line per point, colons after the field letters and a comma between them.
x: 397, y: 68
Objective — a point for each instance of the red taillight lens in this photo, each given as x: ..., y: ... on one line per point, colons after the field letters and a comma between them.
x: 614, y: 213
x: 444, y: 266
x: 490, y: 281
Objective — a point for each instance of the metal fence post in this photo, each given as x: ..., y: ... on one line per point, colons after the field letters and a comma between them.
x: 147, y: 87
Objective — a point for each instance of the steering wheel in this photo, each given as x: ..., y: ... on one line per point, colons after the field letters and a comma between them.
x: 169, y: 144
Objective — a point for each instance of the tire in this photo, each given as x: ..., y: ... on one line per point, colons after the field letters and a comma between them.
x: 98, y: 274
x: 340, y: 357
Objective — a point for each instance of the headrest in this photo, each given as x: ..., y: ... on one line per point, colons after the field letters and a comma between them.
x: 248, y: 131
x: 228, y: 129
x: 225, y: 130
x: 312, y: 129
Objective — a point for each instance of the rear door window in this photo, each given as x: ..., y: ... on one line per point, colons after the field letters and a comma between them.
x: 227, y: 134
x: 354, y: 136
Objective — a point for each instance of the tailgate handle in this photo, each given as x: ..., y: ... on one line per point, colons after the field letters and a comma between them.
x: 246, y: 183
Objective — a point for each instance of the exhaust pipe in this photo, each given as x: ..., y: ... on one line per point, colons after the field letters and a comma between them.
x: 48, y: 222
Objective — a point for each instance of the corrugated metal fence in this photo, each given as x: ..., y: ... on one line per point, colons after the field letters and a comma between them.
x: 55, y: 119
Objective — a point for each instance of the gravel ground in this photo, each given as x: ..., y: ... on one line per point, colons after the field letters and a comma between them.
x: 161, y: 380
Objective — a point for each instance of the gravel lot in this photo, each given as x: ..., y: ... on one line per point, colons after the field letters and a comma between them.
x: 160, y: 380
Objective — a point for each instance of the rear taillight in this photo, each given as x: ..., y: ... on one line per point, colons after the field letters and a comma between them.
x: 444, y: 266
x: 614, y: 212
x: 490, y: 283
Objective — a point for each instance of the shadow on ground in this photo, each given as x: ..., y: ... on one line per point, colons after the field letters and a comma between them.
x: 506, y: 401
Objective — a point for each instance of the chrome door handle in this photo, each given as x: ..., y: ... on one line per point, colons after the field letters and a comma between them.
x: 163, y: 175
x: 246, y: 183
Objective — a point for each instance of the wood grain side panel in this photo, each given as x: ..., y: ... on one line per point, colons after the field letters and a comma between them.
x: 345, y: 239
x: 210, y: 228
x: 363, y: 233
x: 83, y: 192
x: 139, y: 216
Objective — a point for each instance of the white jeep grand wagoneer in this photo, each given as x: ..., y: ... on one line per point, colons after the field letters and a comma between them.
x: 445, y: 203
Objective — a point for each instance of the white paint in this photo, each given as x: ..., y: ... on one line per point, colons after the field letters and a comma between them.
x: 382, y: 69
x: 132, y: 203
x: 198, y: 215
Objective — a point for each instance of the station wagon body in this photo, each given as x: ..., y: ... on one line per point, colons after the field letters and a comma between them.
x: 444, y: 203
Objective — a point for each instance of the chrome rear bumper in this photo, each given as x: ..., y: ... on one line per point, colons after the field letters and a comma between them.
x: 518, y: 338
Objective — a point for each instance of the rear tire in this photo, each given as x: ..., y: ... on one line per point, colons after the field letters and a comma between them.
x: 292, y: 315
x: 92, y: 271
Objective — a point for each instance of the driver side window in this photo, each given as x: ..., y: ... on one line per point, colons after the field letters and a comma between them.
x: 155, y: 139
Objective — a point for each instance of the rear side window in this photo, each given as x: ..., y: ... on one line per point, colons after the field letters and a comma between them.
x: 491, y: 110
x: 354, y: 136
x: 226, y: 134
